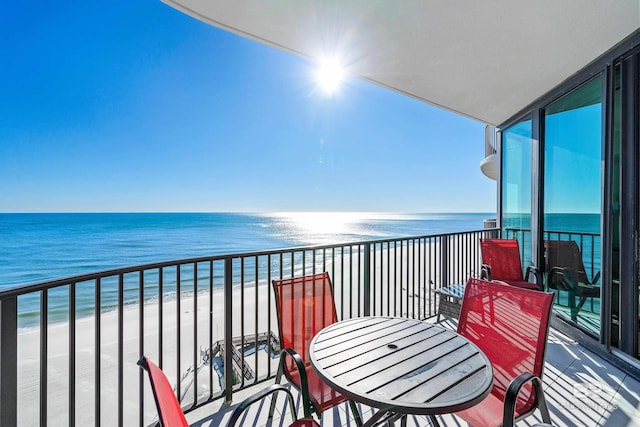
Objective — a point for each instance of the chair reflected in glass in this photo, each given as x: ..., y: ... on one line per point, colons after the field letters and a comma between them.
x: 566, y: 272
x: 510, y: 325
x: 305, y: 305
x: 501, y: 261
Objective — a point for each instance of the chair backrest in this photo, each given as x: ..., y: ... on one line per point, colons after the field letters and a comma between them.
x: 305, y: 305
x: 169, y: 410
x: 565, y: 254
x: 503, y: 256
x: 510, y: 325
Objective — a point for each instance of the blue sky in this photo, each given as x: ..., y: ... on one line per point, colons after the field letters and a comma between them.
x: 134, y: 106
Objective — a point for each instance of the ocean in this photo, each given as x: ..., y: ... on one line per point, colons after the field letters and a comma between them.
x: 37, y: 247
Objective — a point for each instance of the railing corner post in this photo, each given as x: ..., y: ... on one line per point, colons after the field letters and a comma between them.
x: 8, y: 361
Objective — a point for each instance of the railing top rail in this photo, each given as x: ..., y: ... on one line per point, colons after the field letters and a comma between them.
x: 568, y: 233
x: 18, y: 290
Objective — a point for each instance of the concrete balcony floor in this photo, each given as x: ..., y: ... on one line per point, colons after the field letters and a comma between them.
x: 581, y: 389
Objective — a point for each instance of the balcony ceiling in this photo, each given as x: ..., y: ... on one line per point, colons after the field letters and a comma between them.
x: 483, y: 59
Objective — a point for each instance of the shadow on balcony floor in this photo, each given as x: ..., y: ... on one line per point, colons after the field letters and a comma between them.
x: 581, y: 388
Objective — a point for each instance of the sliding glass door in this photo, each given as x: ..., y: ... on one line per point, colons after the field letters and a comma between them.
x: 573, y: 132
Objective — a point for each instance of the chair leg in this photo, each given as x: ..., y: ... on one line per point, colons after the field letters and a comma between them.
x: 434, y: 421
x: 572, y: 306
x: 356, y: 413
x: 541, y: 401
x: 582, y: 301
x: 272, y: 408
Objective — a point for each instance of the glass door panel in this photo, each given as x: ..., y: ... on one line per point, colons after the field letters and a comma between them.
x: 572, y: 203
x: 516, y: 186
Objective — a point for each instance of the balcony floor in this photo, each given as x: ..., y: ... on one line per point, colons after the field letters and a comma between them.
x: 581, y: 388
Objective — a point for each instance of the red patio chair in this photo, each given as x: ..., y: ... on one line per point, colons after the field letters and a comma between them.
x: 170, y: 413
x: 510, y: 325
x: 169, y: 410
x: 305, y: 305
x: 501, y: 261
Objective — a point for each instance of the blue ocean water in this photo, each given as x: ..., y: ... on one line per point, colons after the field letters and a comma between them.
x: 36, y: 247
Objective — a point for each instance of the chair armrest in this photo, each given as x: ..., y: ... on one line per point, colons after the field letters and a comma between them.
x: 275, y: 388
x: 485, y: 272
x: 304, y: 382
x: 561, y: 279
x: 512, y: 396
x: 537, y: 275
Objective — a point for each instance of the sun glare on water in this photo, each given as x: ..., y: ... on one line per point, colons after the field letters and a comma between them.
x: 326, y: 222
x: 321, y: 227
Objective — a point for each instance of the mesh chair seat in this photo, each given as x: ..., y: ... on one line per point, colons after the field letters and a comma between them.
x: 510, y: 325
x: 169, y: 410
x: 305, y: 305
x: 501, y: 261
x: 520, y: 284
x: 322, y: 396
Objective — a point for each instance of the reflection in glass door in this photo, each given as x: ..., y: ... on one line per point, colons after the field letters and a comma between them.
x: 572, y: 203
x: 516, y: 186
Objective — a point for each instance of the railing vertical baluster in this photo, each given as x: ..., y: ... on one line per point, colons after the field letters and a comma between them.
x: 350, y: 282
x: 256, y: 307
x: 333, y: 268
x: 269, y: 314
x: 398, y: 269
x: 120, y: 349
x: 98, y: 350
x: 422, y: 299
x: 44, y: 358
x: 389, y: 277
x: 416, y: 275
x: 195, y: 333
x: 160, y: 315
x: 444, y: 261
x: 367, y: 279
x: 369, y: 272
x: 359, y: 284
x: 228, y: 328
x: 141, y: 345
x: 210, y: 328
x: 341, y: 282
x: 8, y: 361
x: 72, y: 354
x: 178, y: 327
x: 241, y: 318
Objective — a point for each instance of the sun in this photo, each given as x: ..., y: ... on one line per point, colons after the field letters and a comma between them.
x: 329, y: 75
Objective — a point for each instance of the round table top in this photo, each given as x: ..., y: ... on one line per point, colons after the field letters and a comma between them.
x: 406, y: 365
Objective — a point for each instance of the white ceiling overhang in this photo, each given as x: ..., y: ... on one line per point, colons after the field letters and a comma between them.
x: 483, y: 59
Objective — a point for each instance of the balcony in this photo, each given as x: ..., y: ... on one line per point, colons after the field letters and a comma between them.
x: 581, y: 389
x: 75, y: 365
